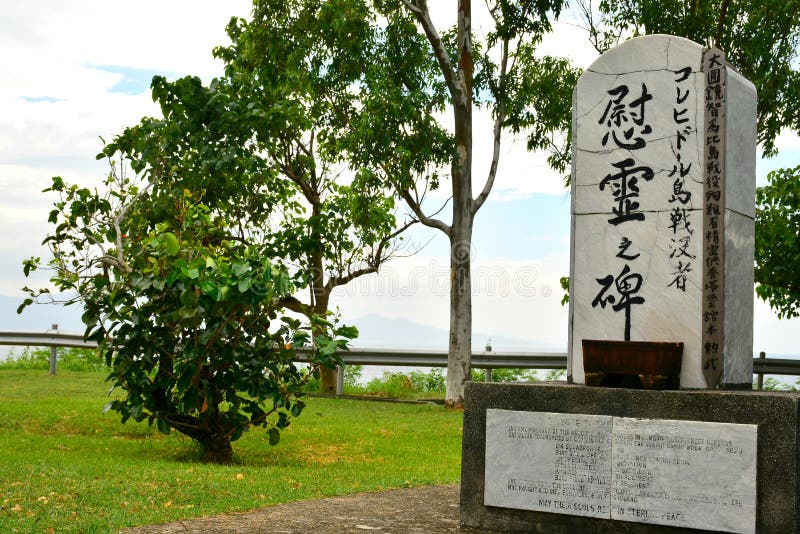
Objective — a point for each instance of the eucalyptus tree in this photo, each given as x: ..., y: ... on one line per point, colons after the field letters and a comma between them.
x: 419, y: 73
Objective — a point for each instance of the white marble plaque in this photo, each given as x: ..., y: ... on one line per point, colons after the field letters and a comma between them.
x: 685, y: 474
x: 548, y: 462
x: 679, y: 473
x: 646, y: 253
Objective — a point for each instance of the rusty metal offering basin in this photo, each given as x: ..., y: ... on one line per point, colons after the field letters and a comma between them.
x: 636, y: 364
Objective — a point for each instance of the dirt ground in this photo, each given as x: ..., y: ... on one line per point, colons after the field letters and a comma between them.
x: 423, y: 510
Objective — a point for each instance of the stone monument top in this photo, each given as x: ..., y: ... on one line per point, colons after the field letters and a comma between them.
x: 663, y: 207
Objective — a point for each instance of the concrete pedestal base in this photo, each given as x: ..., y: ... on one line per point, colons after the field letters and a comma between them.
x: 777, y: 415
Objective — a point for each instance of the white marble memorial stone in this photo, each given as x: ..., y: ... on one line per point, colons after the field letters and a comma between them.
x: 684, y: 474
x: 645, y: 176
x: 548, y: 462
x: 690, y: 474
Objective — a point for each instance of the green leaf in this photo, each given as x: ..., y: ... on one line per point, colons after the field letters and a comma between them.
x: 25, y: 303
x: 329, y: 348
x: 291, y: 322
x: 163, y: 426
x: 297, y: 408
x: 283, y: 420
x: 274, y: 436
x: 223, y: 292
x: 239, y: 268
x: 170, y: 243
x: 244, y: 285
x: 187, y: 297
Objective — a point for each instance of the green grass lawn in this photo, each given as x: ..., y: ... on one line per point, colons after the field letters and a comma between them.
x: 65, y: 467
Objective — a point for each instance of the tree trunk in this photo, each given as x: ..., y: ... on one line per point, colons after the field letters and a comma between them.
x: 459, y: 357
x: 327, y: 376
x: 217, y: 447
x: 328, y: 380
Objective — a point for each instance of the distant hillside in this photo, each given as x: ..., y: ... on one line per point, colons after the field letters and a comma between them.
x: 377, y: 332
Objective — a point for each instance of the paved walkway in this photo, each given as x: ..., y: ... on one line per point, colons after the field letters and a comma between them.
x: 423, y: 510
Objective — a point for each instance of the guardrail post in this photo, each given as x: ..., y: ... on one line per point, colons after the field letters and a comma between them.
x: 760, y: 382
x: 488, y: 370
x: 340, y: 380
x: 53, y: 353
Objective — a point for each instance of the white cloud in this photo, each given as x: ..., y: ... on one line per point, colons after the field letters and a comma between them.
x: 772, y: 335
x: 54, y: 50
x: 511, y: 298
x: 788, y: 140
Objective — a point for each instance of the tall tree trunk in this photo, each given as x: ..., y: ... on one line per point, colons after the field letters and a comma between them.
x: 327, y: 376
x: 320, y: 295
x: 460, y: 349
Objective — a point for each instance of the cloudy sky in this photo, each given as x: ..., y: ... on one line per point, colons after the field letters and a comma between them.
x: 73, y: 72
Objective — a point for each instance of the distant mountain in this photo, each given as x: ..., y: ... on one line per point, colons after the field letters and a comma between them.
x: 377, y: 332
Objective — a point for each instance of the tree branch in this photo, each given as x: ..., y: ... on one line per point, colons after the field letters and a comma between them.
x: 419, y: 8
x: 292, y: 304
x: 723, y: 12
x: 424, y: 219
x: 498, y: 131
x: 335, y: 281
x: 375, y: 262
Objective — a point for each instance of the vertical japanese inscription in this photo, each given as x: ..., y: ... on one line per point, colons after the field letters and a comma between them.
x: 714, y: 65
x: 624, y: 118
x: 680, y: 259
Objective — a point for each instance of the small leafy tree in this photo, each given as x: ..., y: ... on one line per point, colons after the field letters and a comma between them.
x: 778, y: 242
x: 266, y: 134
x: 182, y: 311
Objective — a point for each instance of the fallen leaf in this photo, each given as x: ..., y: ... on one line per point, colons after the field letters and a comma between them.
x: 168, y: 504
x: 239, y: 476
x: 17, y: 508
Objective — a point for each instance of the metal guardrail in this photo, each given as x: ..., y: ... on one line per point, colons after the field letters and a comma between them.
x: 50, y: 338
x: 393, y: 357
x: 424, y: 358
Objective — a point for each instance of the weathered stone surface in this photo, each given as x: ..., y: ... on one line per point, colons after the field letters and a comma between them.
x: 740, y: 163
x: 639, y: 193
x: 653, y: 323
x: 739, y: 280
x: 548, y: 462
x: 669, y: 472
x: 684, y: 473
x: 776, y: 414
